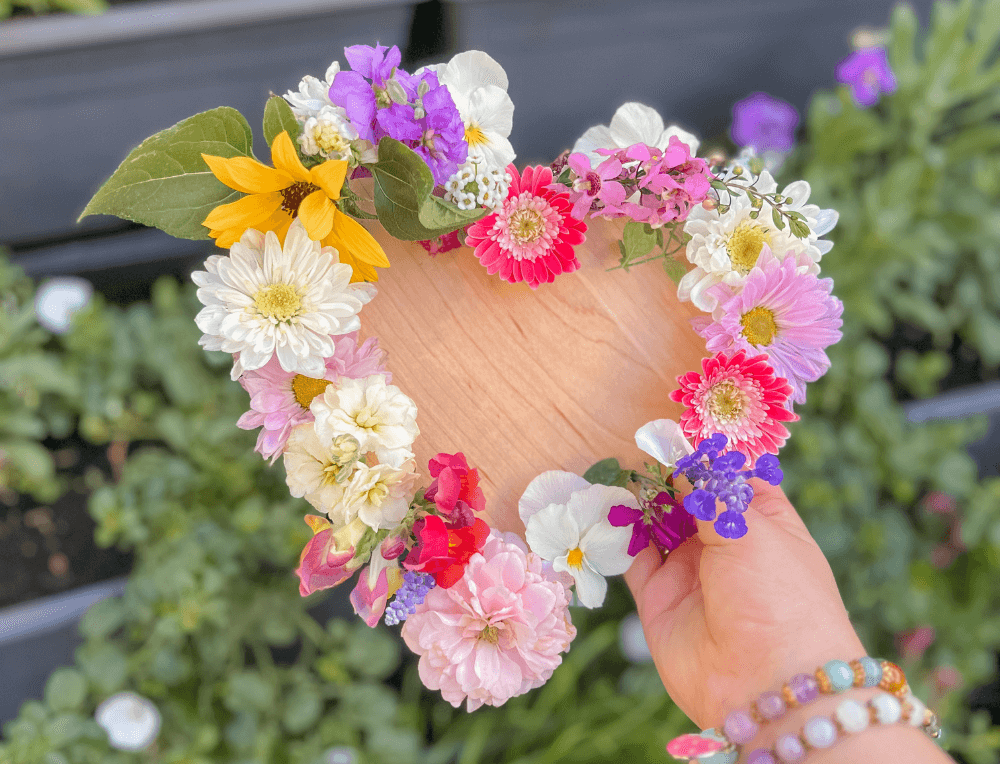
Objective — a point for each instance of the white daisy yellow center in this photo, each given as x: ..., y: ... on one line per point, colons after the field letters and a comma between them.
x: 759, y: 326
x: 474, y: 135
x: 745, y: 243
x: 575, y: 558
x: 280, y: 302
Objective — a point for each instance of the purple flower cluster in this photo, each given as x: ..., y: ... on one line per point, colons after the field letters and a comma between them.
x: 383, y: 100
x: 657, y: 523
x: 722, y: 478
x: 408, y: 596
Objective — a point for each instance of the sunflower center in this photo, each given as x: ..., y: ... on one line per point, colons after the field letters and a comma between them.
x: 745, y: 243
x: 474, y: 135
x: 526, y: 225
x: 306, y: 388
x: 329, y: 139
x: 490, y: 634
x: 575, y: 558
x: 280, y: 302
x: 726, y: 401
x: 759, y: 326
x: 292, y: 196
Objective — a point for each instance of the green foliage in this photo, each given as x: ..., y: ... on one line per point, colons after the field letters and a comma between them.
x: 278, y: 118
x: 38, y: 7
x: 165, y: 183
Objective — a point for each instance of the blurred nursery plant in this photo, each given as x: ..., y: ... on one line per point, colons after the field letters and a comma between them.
x: 917, y: 181
x: 38, y: 7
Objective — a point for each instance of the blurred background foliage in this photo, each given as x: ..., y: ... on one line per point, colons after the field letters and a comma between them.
x: 211, y: 626
x: 37, y: 7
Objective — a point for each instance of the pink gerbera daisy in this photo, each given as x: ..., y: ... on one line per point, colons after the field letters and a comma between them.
x: 531, y: 238
x: 788, y: 314
x: 740, y: 397
x: 279, y: 399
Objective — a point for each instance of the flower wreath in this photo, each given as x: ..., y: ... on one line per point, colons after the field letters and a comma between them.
x: 487, y: 612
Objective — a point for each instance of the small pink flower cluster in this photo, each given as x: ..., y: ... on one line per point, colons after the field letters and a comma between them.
x: 641, y: 183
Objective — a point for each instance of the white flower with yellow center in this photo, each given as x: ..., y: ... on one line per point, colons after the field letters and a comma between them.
x: 264, y: 300
x: 566, y: 521
x: 378, y: 495
x: 318, y: 470
x: 632, y: 123
x: 724, y: 247
x: 380, y: 416
x: 331, y: 135
x: 313, y: 94
x: 478, y: 86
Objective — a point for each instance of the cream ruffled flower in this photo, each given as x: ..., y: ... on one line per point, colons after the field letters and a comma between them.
x: 313, y: 466
x: 264, y: 300
x: 478, y: 86
x: 724, y: 247
x: 632, y: 123
x: 331, y: 134
x: 380, y: 416
x: 378, y: 495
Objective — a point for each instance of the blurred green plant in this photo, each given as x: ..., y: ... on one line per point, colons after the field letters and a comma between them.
x: 38, y: 7
x: 917, y: 182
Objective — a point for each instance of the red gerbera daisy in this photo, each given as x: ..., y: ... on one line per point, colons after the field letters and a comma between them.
x: 740, y: 397
x: 531, y: 238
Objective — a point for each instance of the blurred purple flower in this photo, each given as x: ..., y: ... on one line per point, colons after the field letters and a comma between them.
x: 868, y: 74
x: 764, y: 122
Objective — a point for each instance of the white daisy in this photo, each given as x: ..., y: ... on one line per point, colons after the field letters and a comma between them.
x: 380, y: 416
x: 566, y: 521
x: 632, y: 123
x: 724, y: 247
x: 378, y: 495
x: 313, y: 94
x: 478, y: 86
x: 264, y: 299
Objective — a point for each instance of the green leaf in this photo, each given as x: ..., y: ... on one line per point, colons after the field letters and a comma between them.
x: 778, y: 220
x: 166, y: 184
x: 605, y: 472
x: 65, y: 690
x: 798, y: 228
x: 278, y: 118
x: 674, y: 268
x: 639, y: 239
x: 404, y: 197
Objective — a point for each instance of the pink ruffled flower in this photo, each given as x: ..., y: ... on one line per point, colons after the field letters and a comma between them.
x: 441, y: 244
x: 279, y: 400
x: 740, y: 397
x: 497, y: 633
x: 592, y: 185
x: 781, y: 311
x: 531, y: 238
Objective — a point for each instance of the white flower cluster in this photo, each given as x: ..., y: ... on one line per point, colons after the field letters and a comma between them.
x: 477, y: 183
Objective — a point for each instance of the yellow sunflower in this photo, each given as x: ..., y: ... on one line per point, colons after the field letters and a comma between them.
x: 277, y: 195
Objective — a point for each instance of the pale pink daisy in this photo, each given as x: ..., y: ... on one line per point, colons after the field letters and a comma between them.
x: 531, y: 237
x: 740, y: 397
x: 279, y: 399
x: 781, y: 311
x: 495, y: 634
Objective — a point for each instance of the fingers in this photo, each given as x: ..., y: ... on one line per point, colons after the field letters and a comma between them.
x: 659, y: 585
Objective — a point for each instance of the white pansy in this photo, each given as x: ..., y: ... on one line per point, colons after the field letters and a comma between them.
x: 131, y: 721
x: 59, y: 299
x: 632, y: 123
x: 264, y: 300
x: 312, y: 468
x: 380, y: 416
x: 478, y: 86
x: 313, y: 94
x: 477, y: 183
x: 664, y: 440
x: 566, y: 520
x: 378, y: 495
x: 332, y: 135
x: 724, y: 247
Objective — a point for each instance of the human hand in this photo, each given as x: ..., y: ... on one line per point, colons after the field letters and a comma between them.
x: 728, y: 619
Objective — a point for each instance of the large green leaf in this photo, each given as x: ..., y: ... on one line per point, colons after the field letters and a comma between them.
x: 404, y: 199
x: 278, y: 118
x: 166, y: 184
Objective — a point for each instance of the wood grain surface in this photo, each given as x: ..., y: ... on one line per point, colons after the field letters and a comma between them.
x: 525, y: 381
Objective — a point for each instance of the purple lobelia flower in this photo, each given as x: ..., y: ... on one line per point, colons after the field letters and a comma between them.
x: 764, y: 122
x: 868, y: 74
x: 408, y: 596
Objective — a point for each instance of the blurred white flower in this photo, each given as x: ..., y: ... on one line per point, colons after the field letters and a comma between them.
x: 632, y: 640
x: 131, y: 721
x: 58, y: 299
x: 341, y: 755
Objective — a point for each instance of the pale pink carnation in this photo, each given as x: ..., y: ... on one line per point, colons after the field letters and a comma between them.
x: 497, y: 633
x: 781, y: 311
x: 279, y: 399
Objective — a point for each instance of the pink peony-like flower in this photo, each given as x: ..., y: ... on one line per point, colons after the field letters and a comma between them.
x: 740, y: 397
x: 279, y: 400
x: 781, y: 311
x: 497, y: 633
x: 531, y: 238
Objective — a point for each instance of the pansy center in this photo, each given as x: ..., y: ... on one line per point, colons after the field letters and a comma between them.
x: 306, y: 388
x: 292, y: 196
x: 279, y: 302
x: 475, y: 136
x: 759, y: 326
x: 745, y: 243
x: 726, y: 402
x: 575, y: 558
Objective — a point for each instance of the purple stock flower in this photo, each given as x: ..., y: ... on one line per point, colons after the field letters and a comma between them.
x: 354, y: 93
x: 868, y: 74
x: 408, y: 596
x: 376, y: 64
x: 764, y: 122
x: 442, y: 140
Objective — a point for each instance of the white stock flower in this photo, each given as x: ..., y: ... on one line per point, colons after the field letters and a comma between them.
x: 312, y: 466
x: 632, y: 123
x: 332, y: 135
x: 380, y: 416
x: 724, y: 247
x: 478, y: 86
x: 664, y: 440
x: 313, y: 94
x: 379, y: 495
x: 131, y: 721
x: 264, y: 299
x: 566, y: 521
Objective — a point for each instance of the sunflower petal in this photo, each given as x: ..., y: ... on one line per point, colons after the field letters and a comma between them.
x: 227, y: 237
x: 350, y: 235
x: 360, y: 271
x: 330, y: 176
x: 316, y: 213
x: 247, y: 175
x: 246, y: 212
x: 285, y: 158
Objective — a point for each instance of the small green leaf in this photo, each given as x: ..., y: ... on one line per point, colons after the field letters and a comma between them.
x: 278, y: 118
x: 639, y: 239
x: 605, y: 472
x: 674, y: 269
x: 166, y: 184
x: 798, y: 228
x: 65, y: 690
x: 778, y: 220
